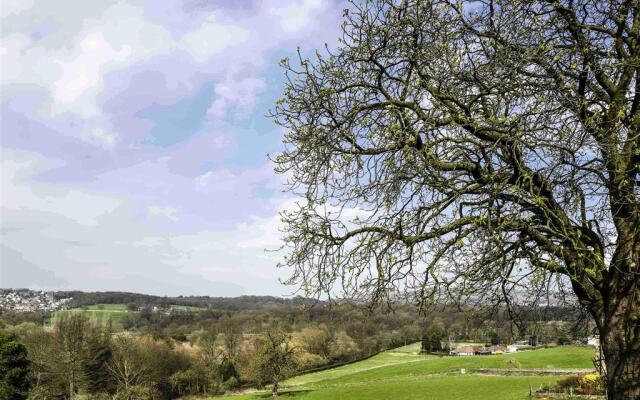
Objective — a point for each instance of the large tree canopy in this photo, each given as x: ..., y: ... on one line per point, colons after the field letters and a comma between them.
x: 476, y: 149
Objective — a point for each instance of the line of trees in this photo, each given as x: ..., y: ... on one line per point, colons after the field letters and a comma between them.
x: 163, y: 356
x: 79, y: 299
x: 78, y: 359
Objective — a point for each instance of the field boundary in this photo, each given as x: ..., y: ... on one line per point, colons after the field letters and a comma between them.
x: 340, y: 364
x: 458, y: 372
x: 406, y: 377
x: 528, y: 371
x: 554, y: 395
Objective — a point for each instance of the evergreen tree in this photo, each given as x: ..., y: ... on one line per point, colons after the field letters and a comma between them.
x: 436, y: 341
x: 14, y: 369
x: 99, y: 354
x: 426, y: 344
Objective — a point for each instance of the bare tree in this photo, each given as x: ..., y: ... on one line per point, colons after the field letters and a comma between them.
x: 483, y: 150
x: 232, y: 333
x: 274, y: 361
x: 127, y: 366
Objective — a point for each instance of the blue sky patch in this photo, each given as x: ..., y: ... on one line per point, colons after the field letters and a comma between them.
x: 178, y: 122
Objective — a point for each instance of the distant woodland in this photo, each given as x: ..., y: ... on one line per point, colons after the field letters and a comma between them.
x: 163, y: 348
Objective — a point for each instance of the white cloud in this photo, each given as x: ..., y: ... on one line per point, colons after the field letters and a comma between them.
x: 235, y: 91
x: 72, y: 69
x: 297, y: 15
x: 64, y: 51
x: 13, y: 50
x: 96, y: 241
x: 21, y: 192
x: 12, y: 7
x: 82, y: 74
x: 245, y: 245
x: 168, y: 212
x: 102, y: 137
x: 75, y: 77
x: 211, y: 38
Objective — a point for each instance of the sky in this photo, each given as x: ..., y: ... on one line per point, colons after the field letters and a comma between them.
x: 134, y: 142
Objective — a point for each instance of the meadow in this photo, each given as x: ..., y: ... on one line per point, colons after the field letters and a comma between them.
x: 403, y: 373
x: 99, y: 313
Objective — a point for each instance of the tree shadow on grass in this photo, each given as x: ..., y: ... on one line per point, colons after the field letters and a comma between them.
x: 287, y: 394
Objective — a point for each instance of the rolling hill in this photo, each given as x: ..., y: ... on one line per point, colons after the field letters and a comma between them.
x: 404, y: 374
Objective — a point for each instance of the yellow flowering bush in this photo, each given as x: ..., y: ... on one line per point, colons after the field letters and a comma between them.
x: 591, y: 377
x: 587, y: 384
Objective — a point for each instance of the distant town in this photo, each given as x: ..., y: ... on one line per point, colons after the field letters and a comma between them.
x: 31, y: 300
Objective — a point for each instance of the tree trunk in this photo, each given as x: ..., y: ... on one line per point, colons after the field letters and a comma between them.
x: 274, y: 390
x: 620, y: 341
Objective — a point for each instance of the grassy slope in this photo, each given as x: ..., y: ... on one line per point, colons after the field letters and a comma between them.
x: 545, y: 358
x: 403, y: 374
x: 432, y: 387
x: 99, y: 313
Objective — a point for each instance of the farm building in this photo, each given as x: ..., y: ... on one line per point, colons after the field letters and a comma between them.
x: 497, y: 349
x: 480, y: 350
x: 523, y: 347
x: 512, y: 348
x: 463, y: 351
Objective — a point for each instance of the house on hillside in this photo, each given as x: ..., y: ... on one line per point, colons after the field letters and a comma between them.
x: 483, y: 351
x: 479, y: 350
x: 497, y: 349
x: 520, y: 347
x: 463, y: 351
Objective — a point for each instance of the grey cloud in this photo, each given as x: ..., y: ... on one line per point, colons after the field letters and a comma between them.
x: 81, y: 242
x: 182, y: 284
x: 77, y: 210
x: 16, y: 271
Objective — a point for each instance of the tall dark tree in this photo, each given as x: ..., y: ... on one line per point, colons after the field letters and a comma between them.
x: 78, y: 355
x: 426, y: 344
x: 99, y: 355
x: 488, y: 150
x: 14, y: 369
x: 70, y: 338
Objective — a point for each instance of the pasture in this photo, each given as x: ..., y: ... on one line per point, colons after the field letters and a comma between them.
x: 99, y: 313
x: 102, y: 313
x: 404, y: 374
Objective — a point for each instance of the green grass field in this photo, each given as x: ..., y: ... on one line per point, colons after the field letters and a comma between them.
x: 99, y: 313
x: 194, y: 308
x: 403, y: 374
